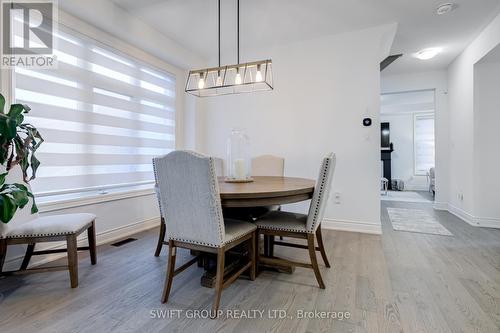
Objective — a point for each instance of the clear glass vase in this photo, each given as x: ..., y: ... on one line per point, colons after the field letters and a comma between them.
x: 238, y: 158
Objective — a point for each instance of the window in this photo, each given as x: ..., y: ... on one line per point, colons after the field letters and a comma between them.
x: 104, y: 116
x: 424, y: 143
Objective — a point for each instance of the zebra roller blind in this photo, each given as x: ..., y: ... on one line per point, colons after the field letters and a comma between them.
x: 104, y: 115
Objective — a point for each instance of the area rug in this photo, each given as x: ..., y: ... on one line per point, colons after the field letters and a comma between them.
x: 405, y: 196
x: 416, y: 220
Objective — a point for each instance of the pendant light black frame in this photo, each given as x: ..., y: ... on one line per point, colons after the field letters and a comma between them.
x: 221, y: 80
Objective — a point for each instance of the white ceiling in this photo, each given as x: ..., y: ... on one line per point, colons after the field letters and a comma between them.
x: 193, y: 23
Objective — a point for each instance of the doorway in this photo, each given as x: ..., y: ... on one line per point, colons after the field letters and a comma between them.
x: 407, y: 149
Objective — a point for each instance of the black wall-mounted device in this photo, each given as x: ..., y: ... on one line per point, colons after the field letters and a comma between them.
x: 367, y: 122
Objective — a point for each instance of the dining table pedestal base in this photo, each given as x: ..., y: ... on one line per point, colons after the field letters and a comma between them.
x: 235, y: 259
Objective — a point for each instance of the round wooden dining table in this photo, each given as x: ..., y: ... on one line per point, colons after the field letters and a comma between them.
x: 265, y: 191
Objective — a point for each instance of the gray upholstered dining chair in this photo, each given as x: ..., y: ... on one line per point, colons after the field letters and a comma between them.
x: 268, y: 165
x: 219, y: 166
x: 281, y: 223
x: 190, y: 204
x: 219, y: 171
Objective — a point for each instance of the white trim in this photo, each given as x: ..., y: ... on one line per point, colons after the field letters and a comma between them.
x: 487, y: 222
x: 441, y: 206
x: 103, y: 237
x: 352, y: 226
x: 96, y: 199
x: 127, y: 230
x: 92, y: 188
x: 462, y: 214
x: 475, y: 221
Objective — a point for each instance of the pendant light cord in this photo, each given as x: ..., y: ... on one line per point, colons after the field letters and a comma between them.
x: 218, y: 42
x: 238, y: 28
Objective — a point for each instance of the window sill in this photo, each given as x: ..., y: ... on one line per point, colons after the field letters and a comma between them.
x: 49, y: 204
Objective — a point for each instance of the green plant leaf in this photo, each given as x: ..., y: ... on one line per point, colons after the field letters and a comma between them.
x: 20, y: 195
x: 15, y: 110
x: 8, y: 128
x: 34, y: 208
x: 20, y: 199
x: 2, y: 177
x: 7, y: 208
x: 2, y: 103
x: 18, y: 144
x: 35, y: 163
x: 12, y: 197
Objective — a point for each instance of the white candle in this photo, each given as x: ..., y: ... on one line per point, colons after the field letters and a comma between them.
x: 239, y: 169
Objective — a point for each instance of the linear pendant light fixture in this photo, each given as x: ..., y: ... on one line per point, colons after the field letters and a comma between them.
x: 231, y: 79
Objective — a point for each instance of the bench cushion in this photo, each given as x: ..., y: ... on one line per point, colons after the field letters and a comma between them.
x: 55, y: 225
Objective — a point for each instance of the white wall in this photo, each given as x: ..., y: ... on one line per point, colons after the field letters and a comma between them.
x: 436, y: 80
x: 486, y: 142
x: 461, y: 104
x: 323, y: 89
x: 402, y: 159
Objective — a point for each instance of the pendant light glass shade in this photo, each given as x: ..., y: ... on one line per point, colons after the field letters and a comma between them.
x: 232, y: 79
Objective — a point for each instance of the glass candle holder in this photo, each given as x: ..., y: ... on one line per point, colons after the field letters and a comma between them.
x: 238, y: 160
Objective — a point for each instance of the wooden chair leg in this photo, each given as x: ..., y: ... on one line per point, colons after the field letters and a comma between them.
x: 219, y: 279
x: 72, y: 259
x: 92, y: 243
x: 252, y: 253
x: 319, y: 237
x: 27, y: 256
x: 271, y: 246
x: 257, y: 250
x: 266, y: 245
x: 172, y: 252
x: 161, y: 237
x: 314, y: 260
x: 3, y: 253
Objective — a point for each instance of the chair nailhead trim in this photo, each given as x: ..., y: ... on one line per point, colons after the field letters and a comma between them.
x: 41, y: 235
x: 284, y: 229
x: 209, y: 244
x: 218, y: 206
x: 326, y: 168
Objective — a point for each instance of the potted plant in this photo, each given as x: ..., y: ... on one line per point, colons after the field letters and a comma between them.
x: 18, y: 144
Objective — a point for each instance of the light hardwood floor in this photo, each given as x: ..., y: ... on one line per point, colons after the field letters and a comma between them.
x: 398, y: 282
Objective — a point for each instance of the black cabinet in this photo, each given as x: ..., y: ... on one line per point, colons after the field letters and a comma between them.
x: 386, y: 151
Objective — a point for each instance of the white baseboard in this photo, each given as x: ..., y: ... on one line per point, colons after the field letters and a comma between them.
x: 441, y: 206
x: 476, y: 221
x: 353, y: 226
x: 102, y: 237
x: 487, y: 222
x: 112, y: 235
x: 462, y: 214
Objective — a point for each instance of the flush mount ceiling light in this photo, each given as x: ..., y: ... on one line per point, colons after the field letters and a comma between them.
x: 231, y: 79
x: 427, y: 53
x: 445, y: 8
